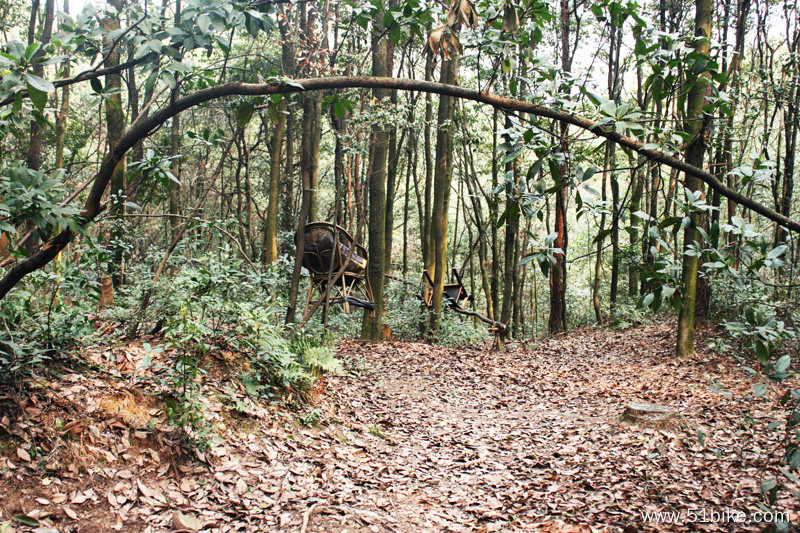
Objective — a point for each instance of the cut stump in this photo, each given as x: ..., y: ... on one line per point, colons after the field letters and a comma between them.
x: 650, y: 415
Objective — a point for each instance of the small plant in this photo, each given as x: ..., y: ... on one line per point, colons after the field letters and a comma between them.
x: 186, y: 409
x: 312, y: 417
x: 377, y: 432
x: 357, y: 367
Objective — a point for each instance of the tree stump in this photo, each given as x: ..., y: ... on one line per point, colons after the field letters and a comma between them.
x: 649, y: 415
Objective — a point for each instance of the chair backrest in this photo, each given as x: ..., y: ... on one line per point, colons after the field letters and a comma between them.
x: 321, y: 256
x: 453, y: 292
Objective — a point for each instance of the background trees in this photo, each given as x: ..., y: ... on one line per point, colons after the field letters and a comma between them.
x: 496, y: 195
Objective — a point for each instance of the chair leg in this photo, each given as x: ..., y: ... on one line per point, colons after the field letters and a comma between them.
x: 309, y: 294
x: 345, y: 294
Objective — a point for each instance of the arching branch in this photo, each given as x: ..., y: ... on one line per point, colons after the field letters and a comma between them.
x: 145, y: 125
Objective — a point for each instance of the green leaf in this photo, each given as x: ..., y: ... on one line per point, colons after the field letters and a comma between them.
x: 168, y: 78
x: 783, y: 363
x: 27, y: 520
x: 338, y: 109
x: 97, y: 86
x: 762, y: 352
x: 244, y: 112
x: 602, y: 235
x: 31, y: 50
x: 760, y: 390
x: 203, y: 22
x: 648, y: 299
x: 777, y: 251
x: 38, y: 82
x: 39, y: 98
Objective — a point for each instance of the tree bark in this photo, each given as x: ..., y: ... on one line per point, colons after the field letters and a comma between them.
x: 372, y: 326
x: 695, y: 126
x: 115, y: 124
x: 558, y: 275
x: 269, y: 253
x: 443, y: 173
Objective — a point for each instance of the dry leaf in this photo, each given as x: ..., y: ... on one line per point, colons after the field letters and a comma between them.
x: 510, y: 18
x: 24, y: 455
x: 144, y: 489
x: 185, y: 521
x: 434, y: 40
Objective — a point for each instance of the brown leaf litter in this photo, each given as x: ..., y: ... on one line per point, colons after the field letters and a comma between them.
x: 414, y: 438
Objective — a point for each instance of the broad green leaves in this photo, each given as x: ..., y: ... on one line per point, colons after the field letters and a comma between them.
x: 34, y: 197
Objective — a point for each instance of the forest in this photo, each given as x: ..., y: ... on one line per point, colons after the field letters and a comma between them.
x: 399, y: 265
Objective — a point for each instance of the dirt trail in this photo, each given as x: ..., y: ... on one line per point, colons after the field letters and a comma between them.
x: 418, y: 438
x: 530, y: 440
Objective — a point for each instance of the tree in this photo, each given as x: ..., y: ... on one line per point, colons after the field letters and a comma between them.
x: 558, y: 274
x: 115, y: 124
x: 372, y: 327
x: 696, y: 127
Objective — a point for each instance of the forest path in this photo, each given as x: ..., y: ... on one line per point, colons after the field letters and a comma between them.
x: 417, y: 438
x: 464, y: 439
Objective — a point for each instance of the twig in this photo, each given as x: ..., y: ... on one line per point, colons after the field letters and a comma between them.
x: 308, y: 513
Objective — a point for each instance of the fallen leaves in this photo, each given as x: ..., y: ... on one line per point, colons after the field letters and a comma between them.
x: 24, y: 455
x: 428, y: 439
x: 185, y: 522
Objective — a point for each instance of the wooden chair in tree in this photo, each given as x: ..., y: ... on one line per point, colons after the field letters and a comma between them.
x: 337, y: 266
x: 454, y: 295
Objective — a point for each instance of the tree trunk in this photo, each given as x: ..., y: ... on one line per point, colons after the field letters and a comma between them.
x: 34, y: 159
x: 174, y: 150
x: 558, y: 275
x: 115, y: 124
x: 306, y: 162
x: 425, y: 223
x: 372, y: 326
x: 512, y: 225
x: 269, y: 253
x: 61, y: 116
x: 695, y: 126
x: 598, y: 260
x: 441, y: 188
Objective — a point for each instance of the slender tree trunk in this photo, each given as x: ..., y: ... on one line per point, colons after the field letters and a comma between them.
x: 558, y: 275
x: 34, y: 159
x: 512, y: 226
x: 411, y: 169
x: 695, y: 126
x: 427, y: 233
x: 441, y: 188
x: 174, y: 150
x: 306, y: 164
x: 61, y: 116
x: 269, y: 253
x: 115, y: 124
x: 372, y: 325
x: 598, y: 260
x: 493, y: 220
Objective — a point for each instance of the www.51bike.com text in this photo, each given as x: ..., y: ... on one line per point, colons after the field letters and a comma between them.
x: 698, y: 515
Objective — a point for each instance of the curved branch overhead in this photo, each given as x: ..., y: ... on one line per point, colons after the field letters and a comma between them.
x: 143, y: 127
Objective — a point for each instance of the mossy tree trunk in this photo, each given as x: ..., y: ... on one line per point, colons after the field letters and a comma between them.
x: 115, y: 124
x: 443, y: 173
x: 695, y: 126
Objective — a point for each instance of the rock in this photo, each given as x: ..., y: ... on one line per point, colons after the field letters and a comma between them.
x: 185, y: 522
x: 649, y: 415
